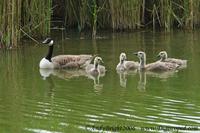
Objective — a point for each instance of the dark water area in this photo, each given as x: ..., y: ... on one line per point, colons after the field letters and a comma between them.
x: 59, y: 101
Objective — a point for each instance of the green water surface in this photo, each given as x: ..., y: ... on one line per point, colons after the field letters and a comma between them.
x: 37, y: 101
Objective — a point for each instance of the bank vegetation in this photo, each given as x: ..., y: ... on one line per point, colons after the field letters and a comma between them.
x: 32, y: 18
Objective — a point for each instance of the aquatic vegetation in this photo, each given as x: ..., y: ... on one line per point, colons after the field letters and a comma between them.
x: 22, y: 18
x: 25, y: 18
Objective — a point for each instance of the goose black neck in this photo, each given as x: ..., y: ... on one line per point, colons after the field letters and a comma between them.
x: 49, y: 55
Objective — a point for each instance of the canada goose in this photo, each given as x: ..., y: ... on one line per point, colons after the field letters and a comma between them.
x: 164, y: 58
x: 96, y: 69
x: 126, y: 65
x: 156, y: 66
x: 63, y: 61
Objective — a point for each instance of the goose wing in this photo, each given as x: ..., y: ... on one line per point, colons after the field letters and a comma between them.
x: 71, y: 61
x: 130, y: 65
x: 161, y: 66
x: 177, y: 61
x: 102, y: 69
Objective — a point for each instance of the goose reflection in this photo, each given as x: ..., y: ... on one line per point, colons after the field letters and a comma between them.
x: 62, y: 73
x: 70, y: 74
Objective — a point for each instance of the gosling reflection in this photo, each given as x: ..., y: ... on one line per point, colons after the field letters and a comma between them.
x: 123, y: 76
x: 142, y: 81
x: 143, y: 77
x: 97, y: 85
x: 163, y: 75
x: 123, y: 79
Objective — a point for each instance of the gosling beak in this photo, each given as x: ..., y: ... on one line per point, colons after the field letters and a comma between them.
x: 102, y: 61
x: 135, y: 53
x: 158, y: 56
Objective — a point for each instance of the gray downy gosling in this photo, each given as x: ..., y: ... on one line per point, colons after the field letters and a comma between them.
x: 96, y: 68
x: 164, y: 58
x: 124, y: 65
x: 155, y: 66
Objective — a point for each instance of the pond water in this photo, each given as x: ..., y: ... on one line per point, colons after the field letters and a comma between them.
x: 70, y: 101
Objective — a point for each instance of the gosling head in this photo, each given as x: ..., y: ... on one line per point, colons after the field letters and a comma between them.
x: 122, y: 57
x: 98, y: 60
x: 162, y: 55
x: 48, y: 41
x: 141, y: 55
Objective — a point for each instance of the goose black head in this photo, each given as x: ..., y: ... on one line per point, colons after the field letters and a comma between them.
x: 48, y: 41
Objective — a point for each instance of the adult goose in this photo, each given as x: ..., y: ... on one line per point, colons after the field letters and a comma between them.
x: 124, y: 65
x: 96, y: 68
x: 156, y: 66
x: 164, y: 58
x: 63, y: 61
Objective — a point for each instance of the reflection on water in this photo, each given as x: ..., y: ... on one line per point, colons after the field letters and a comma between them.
x: 97, y: 85
x: 123, y: 75
x: 71, y: 101
x: 70, y: 74
x: 62, y: 73
x: 163, y: 75
x: 142, y: 81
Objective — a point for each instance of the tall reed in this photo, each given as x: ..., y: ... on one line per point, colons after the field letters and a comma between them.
x: 31, y: 17
x: 19, y: 18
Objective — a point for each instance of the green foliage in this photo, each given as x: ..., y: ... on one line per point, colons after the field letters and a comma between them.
x: 32, y: 17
